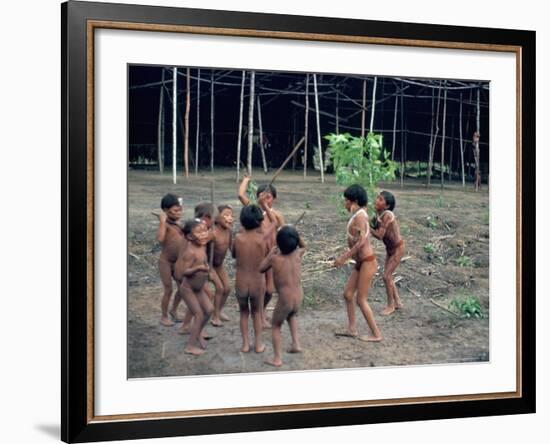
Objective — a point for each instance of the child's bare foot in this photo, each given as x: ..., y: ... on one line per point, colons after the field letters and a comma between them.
x: 370, y: 338
x: 216, y: 322
x: 245, y: 348
x: 174, y: 316
x: 274, y: 362
x: 166, y: 322
x: 224, y: 317
x: 192, y: 350
x: 398, y: 305
x: 388, y: 310
x: 295, y: 349
x: 183, y: 330
x: 260, y: 348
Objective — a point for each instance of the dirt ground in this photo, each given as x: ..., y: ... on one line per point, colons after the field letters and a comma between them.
x: 439, y: 227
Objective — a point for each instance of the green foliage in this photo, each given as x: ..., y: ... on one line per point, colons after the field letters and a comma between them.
x: 308, y: 205
x: 431, y: 223
x: 440, y: 202
x: 251, y: 191
x: 360, y: 160
x: 310, y: 300
x: 467, y: 306
x: 429, y: 248
x: 464, y: 261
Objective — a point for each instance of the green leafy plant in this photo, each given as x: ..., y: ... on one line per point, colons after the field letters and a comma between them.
x: 464, y: 261
x: 251, y: 191
x: 360, y: 160
x: 431, y: 223
x: 308, y: 205
x: 429, y: 248
x: 467, y: 307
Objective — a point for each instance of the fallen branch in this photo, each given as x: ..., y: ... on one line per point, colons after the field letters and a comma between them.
x: 443, y: 308
x: 298, y: 145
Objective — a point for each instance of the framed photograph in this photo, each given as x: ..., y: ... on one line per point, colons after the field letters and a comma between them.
x: 275, y: 221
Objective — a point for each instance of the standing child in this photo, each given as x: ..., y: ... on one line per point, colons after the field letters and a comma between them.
x: 170, y: 236
x: 222, y: 242
x: 191, y: 271
x: 266, y: 195
x: 355, y: 201
x: 387, y: 230
x: 249, y: 249
x: 286, y: 263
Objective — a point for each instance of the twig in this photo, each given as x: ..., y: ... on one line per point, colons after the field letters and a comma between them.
x: 406, y: 258
x: 443, y: 308
x: 135, y: 256
x: 155, y: 214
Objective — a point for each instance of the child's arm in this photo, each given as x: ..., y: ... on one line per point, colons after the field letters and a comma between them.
x: 361, y: 233
x: 161, y: 232
x: 242, y: 190
x: 233, y: 249
x: 380, y: 231
x: 191, y: 270
x: 267, y: 262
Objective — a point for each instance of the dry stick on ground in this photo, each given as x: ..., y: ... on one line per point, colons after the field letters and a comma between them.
x: 240, y: 127
x: 444, y: 308
x: 287, y: 160
x: 300, y: 218
x: 198, y: 121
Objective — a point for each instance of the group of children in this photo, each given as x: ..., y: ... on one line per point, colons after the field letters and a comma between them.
x: 267, y: 255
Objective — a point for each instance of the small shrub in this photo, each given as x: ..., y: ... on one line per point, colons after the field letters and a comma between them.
x: 464, y: 261
x: 467, y: 307
x: 429, y: 248
x: 431, y: 223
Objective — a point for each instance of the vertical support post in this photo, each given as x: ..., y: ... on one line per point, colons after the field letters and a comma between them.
x: 321, y: 163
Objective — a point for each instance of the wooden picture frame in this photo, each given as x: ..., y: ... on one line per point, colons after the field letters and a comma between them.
x: 79, y: 22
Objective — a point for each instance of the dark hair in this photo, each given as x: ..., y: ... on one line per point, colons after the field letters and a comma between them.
x: 389, y: 198
x: 224, y: 207
x: 356, y: 193
x: 288, y: 239
x: 168, y: 201
x: 189, y: 225
x: 204, y: 209
x: 251, y: 217
x: 267, y: 188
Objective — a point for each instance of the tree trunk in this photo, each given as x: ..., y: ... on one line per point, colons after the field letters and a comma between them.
x: 212, y: 121
x: 306, y: 119
x: 251, y: 121
x: 394, y: 125
x: 187, y: 108
x: 261, y: 135
x: 198, y: 121
x: 373, y: 105
x: 476, y: 146
x: 363, y: 108
x: 443, y: 135
x: 321, y: 163
x: 461, y: 143
x: 241, y: 106
x: 174, y: 122
x: 160, y: 129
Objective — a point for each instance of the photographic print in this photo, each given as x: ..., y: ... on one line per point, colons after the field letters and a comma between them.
x: 298, y: 221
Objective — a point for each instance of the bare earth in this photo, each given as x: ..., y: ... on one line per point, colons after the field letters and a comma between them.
x: 438, y: 228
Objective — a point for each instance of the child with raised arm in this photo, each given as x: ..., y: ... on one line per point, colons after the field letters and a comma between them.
x: 355, y: 201
x: 387, y: 230
x: 266, y: 195
x: 286, y: 262
x: 171, y: 238
x: 192, y: 271
x: 222, y: 242
x: 249, y: 249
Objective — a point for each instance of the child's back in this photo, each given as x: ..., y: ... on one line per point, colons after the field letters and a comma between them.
x: 249, y: 249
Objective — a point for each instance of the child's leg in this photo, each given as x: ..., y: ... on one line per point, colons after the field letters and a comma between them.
x: 216, y: 321
x: 226, y: 290
x: 391, y: 264
x: 349, y: 292
x: 269, y: 289
x: 207, y: 309
x: 243, y: 321
x: 366, y: 273
x: 175, y: 304
x: 165, y: 272
x: 192, y: 302
x: 256, y: 305
x: 279, y: 315
x: 293, y: 324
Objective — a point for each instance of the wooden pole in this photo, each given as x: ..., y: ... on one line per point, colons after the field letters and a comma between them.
x: 373, y: 105
x: 251, y: 122
x: 337, y: 113
x: 402, y: 138
x: 240, y: 127
x: 212, y: 121
x: 363, y: 108
x: 294, y: 140
x: 160, y: 129
x: 321, y: 163
x: 187, y: 109
x: 476, y: 146
x: 432, y: 148
x: 394, y: 125
x: 450, y: 174
x: 174, y: 122
x: 428, y: 173
x: 198, y: 121
x: 306, y: 125
x: 261, y: 135
x: 443, y: 135
x: 461, y: 144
